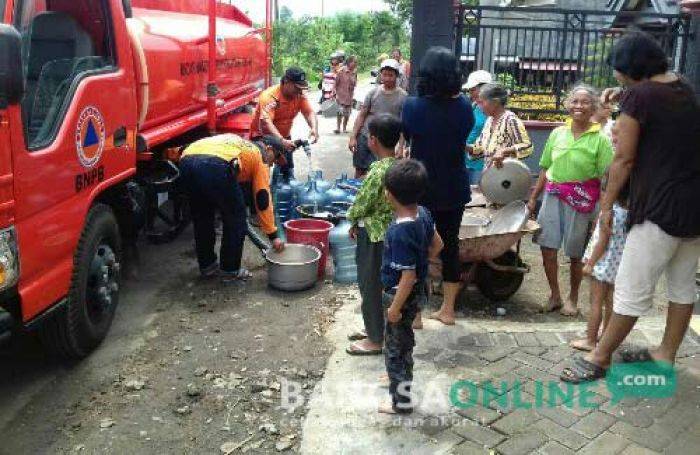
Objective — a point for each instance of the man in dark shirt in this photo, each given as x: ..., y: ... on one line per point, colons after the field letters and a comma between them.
x: 657, y: 151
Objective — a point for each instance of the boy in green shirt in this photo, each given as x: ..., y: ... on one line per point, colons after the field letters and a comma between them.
x: 370, y: 216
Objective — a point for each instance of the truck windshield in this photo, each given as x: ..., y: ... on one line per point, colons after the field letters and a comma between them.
x: 65, y: 42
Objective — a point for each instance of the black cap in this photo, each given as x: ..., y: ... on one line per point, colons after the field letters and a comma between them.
x: 272, y: 141
x: 297, y: 76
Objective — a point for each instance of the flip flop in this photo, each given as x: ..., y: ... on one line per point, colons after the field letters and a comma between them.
x: 582, y: 371
x: 631, y: 355
x: 355, y: 349
x: 357, y: 336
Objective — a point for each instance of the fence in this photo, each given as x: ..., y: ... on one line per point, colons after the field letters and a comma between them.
x: 539, y: 53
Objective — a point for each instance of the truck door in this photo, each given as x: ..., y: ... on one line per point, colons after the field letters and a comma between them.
x: 77, y: 135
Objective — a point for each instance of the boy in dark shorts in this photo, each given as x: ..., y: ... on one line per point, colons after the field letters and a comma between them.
x: 410, y: 243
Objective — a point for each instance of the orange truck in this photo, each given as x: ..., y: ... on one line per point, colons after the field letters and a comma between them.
x: 95, y: 95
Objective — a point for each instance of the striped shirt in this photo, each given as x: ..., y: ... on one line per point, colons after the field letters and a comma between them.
x: 508, y: 132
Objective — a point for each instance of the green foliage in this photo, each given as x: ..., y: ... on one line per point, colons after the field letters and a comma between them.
x: 596, y: 71
x: 506, y: 79
x: 402, y: 8
x: 308, y: 42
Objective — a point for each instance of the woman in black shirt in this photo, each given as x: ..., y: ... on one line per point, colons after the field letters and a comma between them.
x: 437, y: 123
x: 657, y: 152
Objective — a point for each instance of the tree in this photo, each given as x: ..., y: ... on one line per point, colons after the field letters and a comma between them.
x: 402, y: 8
x: 308, y: 42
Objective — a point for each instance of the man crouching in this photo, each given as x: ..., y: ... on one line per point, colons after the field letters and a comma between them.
x: 212, y: 170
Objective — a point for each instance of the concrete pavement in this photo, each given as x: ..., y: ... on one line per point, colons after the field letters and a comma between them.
x: 342, y: 417
x: 524, y: 347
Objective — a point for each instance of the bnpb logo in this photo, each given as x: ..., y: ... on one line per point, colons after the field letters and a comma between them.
x: 90, y: 136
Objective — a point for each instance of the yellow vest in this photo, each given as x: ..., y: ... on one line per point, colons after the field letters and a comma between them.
x: 225, y: 146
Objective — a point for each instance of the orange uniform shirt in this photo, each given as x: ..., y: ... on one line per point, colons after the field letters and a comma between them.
x: 273, y: 106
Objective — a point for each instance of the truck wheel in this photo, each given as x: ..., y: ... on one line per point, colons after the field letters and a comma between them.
x: 499, y: 286
x: 94, y: 292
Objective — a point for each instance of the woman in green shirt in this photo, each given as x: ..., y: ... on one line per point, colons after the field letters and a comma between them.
x: 574, y: 159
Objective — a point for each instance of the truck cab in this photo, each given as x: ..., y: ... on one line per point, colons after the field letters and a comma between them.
x: 76, y: 133
x: 67, y: 134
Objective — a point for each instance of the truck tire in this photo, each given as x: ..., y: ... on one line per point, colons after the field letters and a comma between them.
x: 499, y: 286
x: 93, y: 296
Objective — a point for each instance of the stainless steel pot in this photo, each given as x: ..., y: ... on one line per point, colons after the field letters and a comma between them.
x: 294, y: 269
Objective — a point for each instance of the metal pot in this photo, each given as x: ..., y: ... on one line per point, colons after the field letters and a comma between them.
x: 294, y: 269
x: 509, y: 183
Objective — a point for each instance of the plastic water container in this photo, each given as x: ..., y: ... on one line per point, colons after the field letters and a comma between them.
x: 311, y: 232
x: 294, y: 184
x: 303, y: 188
x: 336, y: 194
x: 321, y: 184
x: 343, y: 251
x: 314, y: 197
x: 284, y: 202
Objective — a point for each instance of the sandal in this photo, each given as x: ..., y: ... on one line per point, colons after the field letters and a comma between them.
x: 582, y: 371
x: 357, y: 349
x: 357, y: 336
x: 632, y: 355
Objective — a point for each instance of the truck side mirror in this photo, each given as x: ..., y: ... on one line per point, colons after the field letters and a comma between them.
x: 11, y: 72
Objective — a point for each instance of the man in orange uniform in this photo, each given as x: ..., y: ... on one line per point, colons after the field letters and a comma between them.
x: 277, y: 108
x: 212, y: 170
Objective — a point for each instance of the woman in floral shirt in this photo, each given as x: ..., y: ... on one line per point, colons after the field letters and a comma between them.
x: 504, y: 135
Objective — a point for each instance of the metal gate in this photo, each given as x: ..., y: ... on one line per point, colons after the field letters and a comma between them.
x: 539, y: 53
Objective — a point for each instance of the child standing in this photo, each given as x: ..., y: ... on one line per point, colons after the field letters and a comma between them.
x: 411, y: 242
x: 370, y: 216
x: 603, y: 116
x: 602, y: 259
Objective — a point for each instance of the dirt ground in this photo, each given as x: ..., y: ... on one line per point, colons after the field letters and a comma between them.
x: 189, y: 366
x: 195, y: 366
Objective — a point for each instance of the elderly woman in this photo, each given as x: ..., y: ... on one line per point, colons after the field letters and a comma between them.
x: 574, y: 159
x: 475, y: 82
x: 657, y: 137
x: 504, y: 135
x: 437, y: 123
